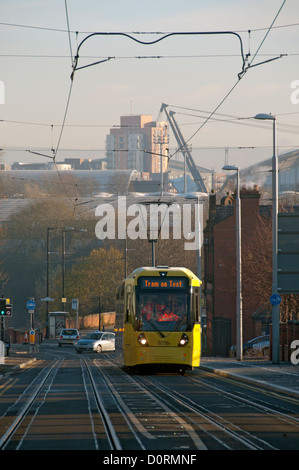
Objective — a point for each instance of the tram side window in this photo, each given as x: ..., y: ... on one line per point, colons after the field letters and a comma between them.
x: 128, y: 304
x: 196, y: 304
x: 120, y: 307
x: 129, y: 313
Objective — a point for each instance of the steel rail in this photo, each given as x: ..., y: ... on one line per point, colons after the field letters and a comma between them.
x: 212, y: 418
x: 110, y: 431
x: 7, y: 436
x: 261, y: 406
x: 131, y: 415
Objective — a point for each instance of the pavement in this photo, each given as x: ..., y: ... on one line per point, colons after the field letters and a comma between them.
x: 282, y: 377
x: 20, y: 356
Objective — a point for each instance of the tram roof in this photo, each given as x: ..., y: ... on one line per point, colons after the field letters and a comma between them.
x: 156, y: 270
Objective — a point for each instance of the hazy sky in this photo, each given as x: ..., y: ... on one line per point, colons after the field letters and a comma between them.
x: 193, y: 74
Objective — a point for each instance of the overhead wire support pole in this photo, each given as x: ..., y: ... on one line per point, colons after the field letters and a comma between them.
x: 147, y: 43
x: 184, y: 148
x: 187, y: 154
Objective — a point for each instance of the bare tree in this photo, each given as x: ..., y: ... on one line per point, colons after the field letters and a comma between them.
x: 257, y: 273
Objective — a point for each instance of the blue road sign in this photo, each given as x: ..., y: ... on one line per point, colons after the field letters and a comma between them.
x: 275, y: 299
x: 30, y: 304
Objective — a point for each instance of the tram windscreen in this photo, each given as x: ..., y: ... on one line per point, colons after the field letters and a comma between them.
x: 163, y: 305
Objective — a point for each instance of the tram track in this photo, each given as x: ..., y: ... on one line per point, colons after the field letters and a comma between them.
x: 147, y: 404
x: 221, y: 429
x: 154, y: 425
x: 257, y: 404
x: 20, y: 409
x: 234, y: 434
x: 125, y: 411
x: 105, y: 413
x: 215, y: 426
x: 94, y: 397
x: 24, y: 411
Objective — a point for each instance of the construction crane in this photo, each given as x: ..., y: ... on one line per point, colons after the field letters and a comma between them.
x: 184, y: 148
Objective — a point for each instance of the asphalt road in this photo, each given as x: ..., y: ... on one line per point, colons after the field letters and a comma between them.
x: 200, y: 411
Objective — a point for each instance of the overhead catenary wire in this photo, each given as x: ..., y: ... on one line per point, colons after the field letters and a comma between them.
x: 267, y: 32
x: 68, y: 30
x: 75, y: 67
x: 61, y: 30
x: 55, y: 151
x: 231, y: 119
x: 161, y: 38
x: 148, y: 43
x: 150, y: 57
x: 240, y: 76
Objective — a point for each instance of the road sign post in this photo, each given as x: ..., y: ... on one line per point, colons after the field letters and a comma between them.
x: 75, y: 306
x: 31, y: 305
x: 32, y: 336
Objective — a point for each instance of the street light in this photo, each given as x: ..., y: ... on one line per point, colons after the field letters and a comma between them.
x: 198, y: 224
x: 198, y: 227
x: 275, y: 308
x: 239, y: 330
x: 47, y: 282
x: 63, y: 230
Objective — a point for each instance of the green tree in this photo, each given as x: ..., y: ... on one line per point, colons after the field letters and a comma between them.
x: 94, y: 276
x: 23, y: 245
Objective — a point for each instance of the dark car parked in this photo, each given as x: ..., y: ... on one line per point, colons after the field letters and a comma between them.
x: 255, y: 346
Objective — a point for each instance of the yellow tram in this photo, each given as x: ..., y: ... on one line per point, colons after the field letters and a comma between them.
x: 158, y: 319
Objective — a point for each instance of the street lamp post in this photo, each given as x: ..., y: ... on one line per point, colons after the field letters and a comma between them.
x: 239, y: 312
x: 63, y: 230
x: 198, y: 224
x: 47, y: 281
x: 198, y: 227
x: 275, y: 308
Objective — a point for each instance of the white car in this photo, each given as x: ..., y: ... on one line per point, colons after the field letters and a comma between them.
x: 96, y: 342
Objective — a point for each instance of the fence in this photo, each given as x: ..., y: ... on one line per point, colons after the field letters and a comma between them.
x: 19, y: 336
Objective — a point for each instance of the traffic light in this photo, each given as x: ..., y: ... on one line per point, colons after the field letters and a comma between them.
x: 5, y: 308
x: 2, y: 307
x: 8, y: 310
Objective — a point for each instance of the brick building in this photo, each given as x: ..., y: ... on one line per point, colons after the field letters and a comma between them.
x: 220, y: 270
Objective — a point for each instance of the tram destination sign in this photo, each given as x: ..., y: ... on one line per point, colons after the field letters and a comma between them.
x: 163, y: 283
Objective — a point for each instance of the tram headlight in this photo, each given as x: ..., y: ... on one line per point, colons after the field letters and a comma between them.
x: 142, y: 340
x: 184, y: 340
